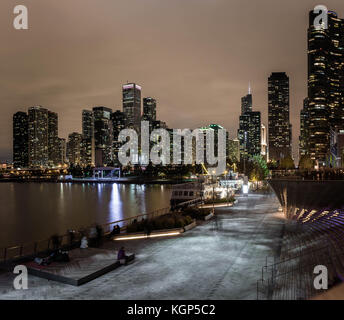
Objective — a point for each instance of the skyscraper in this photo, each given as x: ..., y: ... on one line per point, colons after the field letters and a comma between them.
x: 87, y: 152
x: 249, y: 132
x: 103, y: 136
x: 246, y: 102
x: 118, y: 124
x: 264, y: 142
x: 74, y: 146
x: 52, y: 138
x: 38, y: 136
x: 62, y: 151
x: 20, y: 140
x: 132, y: 105
x: 279, y: 123
x: 149, y: 111
x: 325, y: 83
x: 304, y: 130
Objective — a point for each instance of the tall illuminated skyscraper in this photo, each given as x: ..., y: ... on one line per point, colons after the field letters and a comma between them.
x: 131, y: 94
x: 279, y: 123
x: 20, y: 140
x: 246, y: 102
x: 87, y: 154
x: 103, y: 136
x: 38, y: 136
x: 325, y: 83
x: 304, y: 130
x: 264, y: 142
x: 149, y: 110
x: 118, y: 124
x: 249, y: 132
x: 74, y: 148
x: 52, y: 139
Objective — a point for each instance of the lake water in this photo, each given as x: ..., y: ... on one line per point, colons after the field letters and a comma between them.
x: 35, y: 211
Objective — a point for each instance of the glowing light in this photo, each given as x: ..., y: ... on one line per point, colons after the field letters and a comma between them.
x: 146, y: 237
x: 245, y: 188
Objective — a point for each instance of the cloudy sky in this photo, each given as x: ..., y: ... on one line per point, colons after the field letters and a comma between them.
x: 196, y: 57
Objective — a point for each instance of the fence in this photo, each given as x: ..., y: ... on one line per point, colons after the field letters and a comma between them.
x: 32, y: 248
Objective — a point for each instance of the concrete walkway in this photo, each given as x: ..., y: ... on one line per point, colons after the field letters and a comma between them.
x: 220, y: 259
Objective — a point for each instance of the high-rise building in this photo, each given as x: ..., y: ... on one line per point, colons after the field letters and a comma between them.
x: 325, y: 83
x: 118, y: 124
x: 62, y: 151
x: 74, y: 147
x: 246, y: 103
x: 103, y: 136
x: 87, y: 152
x: 20, y: 140
x: 249, y: 134
x: 304, y: 130
x: 52, y: 139
x: 131, y: 94
x: 249, y: 128
x: 38, y: 136
x: 279, y: 123
x: 264, y: 142
x: 149, y: 111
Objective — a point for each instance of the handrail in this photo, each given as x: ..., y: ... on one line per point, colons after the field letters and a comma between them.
x: 4, y: 252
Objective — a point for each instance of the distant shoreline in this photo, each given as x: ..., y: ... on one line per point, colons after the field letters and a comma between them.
x: 93, y: 181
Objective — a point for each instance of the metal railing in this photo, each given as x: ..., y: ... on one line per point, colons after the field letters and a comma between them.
x: 40, y: 246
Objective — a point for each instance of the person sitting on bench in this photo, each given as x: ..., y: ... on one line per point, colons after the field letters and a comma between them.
x: 122, y: 257
x: 116, y: 230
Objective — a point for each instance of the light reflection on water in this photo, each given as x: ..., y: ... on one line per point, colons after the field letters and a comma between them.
x: 35, y: 211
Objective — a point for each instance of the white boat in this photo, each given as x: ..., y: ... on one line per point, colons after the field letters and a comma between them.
x: 191, y: 191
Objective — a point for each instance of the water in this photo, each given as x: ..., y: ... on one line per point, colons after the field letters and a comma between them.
x: 35, y: 211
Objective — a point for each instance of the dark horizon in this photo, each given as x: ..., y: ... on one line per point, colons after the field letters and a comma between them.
x: 196, y: 58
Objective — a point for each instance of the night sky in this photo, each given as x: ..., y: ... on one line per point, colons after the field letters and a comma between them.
x: 196, y: 57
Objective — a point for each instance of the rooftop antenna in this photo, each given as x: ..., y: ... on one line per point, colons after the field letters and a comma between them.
x: 249, y: 88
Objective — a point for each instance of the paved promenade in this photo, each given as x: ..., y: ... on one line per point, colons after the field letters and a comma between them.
x: 220, y: 259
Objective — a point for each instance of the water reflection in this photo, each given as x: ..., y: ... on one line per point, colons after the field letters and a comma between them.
x: 115, y: 205
x: 35, y: 211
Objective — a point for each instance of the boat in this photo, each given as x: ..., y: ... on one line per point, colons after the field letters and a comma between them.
x: 190, y: 191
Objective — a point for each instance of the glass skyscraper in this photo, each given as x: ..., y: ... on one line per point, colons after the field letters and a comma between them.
x: 38, y: 136
x: 103, y: 136
x: 131, y: 94
x: 20, y: 140
x: 325, y: 83
x: 87, y: 153
x: 279, y: 123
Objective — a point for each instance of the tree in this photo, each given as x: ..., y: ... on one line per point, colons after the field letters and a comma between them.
x: 306, y: 163
x: 259, y: 169
x: 287, y: 163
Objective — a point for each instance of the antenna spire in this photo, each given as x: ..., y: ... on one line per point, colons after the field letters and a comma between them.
x: 249, y: 88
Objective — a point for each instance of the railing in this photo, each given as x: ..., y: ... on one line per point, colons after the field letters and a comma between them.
x: 32, y: 248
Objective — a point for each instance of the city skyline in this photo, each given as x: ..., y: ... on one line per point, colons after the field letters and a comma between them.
x: 220, y: 83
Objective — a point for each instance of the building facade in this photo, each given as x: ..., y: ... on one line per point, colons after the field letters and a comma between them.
x: 131, y: 98
x: 304, y: 130
x: 87, y: 151
x: 149, y: 111
x: 74, y: 147
x: 325, y: 83
x: 103, y: 136
x: 280, y: 137
x: 118, y: 124
x: 20, y: 140
x: 52, y: 139
x: 38, y: 137
x: 62, y: 151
